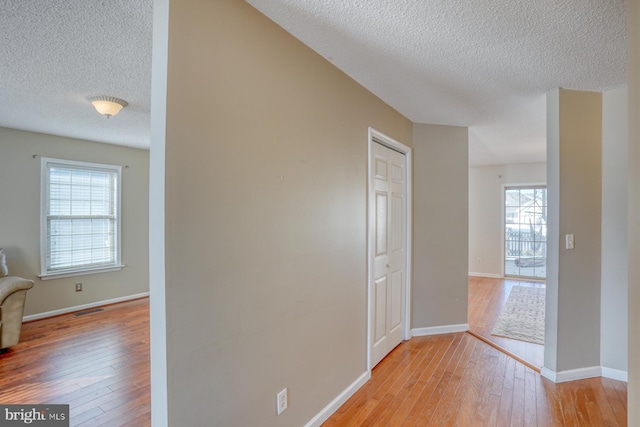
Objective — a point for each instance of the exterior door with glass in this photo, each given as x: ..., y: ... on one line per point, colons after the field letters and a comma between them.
x: 525, y: 231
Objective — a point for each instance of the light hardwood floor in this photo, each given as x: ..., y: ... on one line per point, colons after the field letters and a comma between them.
x: 97, y: 363
x: 486, y: 299
x: 458, y: 380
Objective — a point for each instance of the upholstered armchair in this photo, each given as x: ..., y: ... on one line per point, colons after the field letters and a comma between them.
x: 13, y: 292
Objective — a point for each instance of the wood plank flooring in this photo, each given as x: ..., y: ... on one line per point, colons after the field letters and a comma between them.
x: 486, y: 298
x: 458, y: 380
x: 97, y: 363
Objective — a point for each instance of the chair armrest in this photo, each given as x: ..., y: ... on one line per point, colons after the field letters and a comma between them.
x: 11, y: 284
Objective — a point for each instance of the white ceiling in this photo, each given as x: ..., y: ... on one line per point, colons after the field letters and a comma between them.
x: 56, y: 53
x: 486, y: 64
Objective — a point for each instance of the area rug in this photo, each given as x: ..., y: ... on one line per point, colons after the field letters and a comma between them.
x: 522, y: 317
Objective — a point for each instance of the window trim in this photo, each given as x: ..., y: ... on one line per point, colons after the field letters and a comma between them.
x: 77, y: 271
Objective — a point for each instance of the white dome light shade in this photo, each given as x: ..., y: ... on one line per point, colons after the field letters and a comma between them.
x: 108, y: 105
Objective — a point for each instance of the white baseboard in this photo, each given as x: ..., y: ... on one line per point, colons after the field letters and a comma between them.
x: 490, y: 275
x: 82, y: 307
x: 615, y: 374
x: 571, y: 374
x: 336, y: 403
x: 437, y: 330
x: 548, y: 374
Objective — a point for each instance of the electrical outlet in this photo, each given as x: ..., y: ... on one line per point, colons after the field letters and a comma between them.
x: 570, y: 242
x: 78, y: 287
x: 282, y: 401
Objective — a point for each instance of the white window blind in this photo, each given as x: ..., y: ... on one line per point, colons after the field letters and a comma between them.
x: 80, y: 217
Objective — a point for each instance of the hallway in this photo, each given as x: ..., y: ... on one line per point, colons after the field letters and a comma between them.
x: 487, y: 296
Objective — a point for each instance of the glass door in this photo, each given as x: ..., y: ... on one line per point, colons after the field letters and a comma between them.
x: 525, y: 232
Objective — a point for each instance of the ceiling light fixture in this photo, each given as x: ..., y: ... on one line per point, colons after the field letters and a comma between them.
x: 108, y: 105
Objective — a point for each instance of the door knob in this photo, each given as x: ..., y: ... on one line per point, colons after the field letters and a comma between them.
x: 388, y: 265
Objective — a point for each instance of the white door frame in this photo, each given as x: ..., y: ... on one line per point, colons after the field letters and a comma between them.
x: 380, y: 138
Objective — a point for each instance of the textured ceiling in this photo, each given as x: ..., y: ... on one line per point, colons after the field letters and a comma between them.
x: 56, y: 53
x: 486, y: 64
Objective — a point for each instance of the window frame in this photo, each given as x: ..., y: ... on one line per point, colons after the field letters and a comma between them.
x: 45, y: 164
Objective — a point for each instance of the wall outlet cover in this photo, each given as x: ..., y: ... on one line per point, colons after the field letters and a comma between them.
x: 282, y: 401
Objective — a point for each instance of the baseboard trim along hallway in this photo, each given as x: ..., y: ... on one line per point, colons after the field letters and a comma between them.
x: 583, y: 374
x: 437, y: 330
x: 488, y: 275
x: 615, y: 374
x: 336, y: 403
x: 83, y: 307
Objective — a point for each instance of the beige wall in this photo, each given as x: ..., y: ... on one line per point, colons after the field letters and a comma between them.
x: 634, y: 213
x: 574, y: 153
x: 441, y: 221
x: 614, y: 289
x: 266, y: 174
x: 485, y: 211
x: 20, y: 224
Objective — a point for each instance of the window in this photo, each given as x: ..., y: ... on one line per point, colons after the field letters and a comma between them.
x: 80, y: 218
x: 525, y: 231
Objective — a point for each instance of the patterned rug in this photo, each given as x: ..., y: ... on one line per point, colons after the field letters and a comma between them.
x: 522, y: 317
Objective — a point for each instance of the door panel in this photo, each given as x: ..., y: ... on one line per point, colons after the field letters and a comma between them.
x: 380, y: 304
x: 397, y: 202
x: 397, y: 174
x: 389, y: 192
x: 381, y: 223
x: 396, y: 302
x: 381, y: 168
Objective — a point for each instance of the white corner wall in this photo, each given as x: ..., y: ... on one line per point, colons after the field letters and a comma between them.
x: 574, y: 188
x: 614, y: 275
x: 633, y: 25
x: 157, y: 265
x: 486, y: 184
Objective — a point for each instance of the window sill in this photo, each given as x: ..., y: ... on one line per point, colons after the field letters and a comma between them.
x: 71, y: 273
